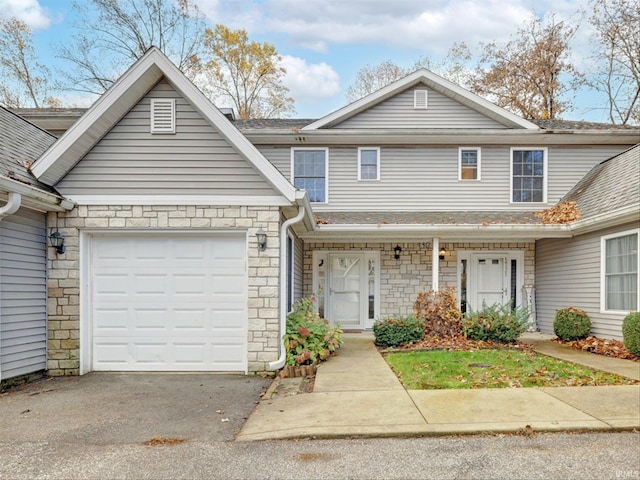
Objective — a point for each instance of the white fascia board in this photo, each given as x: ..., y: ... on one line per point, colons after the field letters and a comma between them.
x: 621, y: 216
x: 36, y: 198
x: 302, y: 200
x: 96, y: 111
x: 415, y: 231
x: 217, y: 200
x: 332, y: 137
x: 433, y: 81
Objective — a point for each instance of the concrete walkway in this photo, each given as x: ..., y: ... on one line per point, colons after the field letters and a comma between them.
x: 357, y: 394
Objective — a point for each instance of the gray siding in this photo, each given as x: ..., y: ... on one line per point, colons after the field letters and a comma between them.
x: 23, y: 294
x: 298, y: 260
x: 568, y: 275
x: 197, y: 160
x: 398, y: 112
x: 426, y: 178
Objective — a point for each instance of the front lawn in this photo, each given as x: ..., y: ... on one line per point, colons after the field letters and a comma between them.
x: 492, y: 368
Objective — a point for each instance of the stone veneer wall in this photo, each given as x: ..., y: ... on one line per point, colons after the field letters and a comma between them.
x: 402, y: 279
x: 64, y: 275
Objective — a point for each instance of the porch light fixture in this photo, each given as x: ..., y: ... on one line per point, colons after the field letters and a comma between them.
x: 441, y: 253
x: 396, y: 252
x: 57, y: 241
x: 262, y: 240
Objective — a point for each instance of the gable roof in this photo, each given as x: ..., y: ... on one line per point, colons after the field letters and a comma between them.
x: 22, y: 143
x: 610, y: 186
x: 98, y: 120
x: 433, y: 81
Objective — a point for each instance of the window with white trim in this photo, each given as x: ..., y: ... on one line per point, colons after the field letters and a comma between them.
x: 469, y: 163
x: 619, y: 273
x: 369, y: 163
x: 163, y: 115
x: 420, y: 99
x: 310, y: 167
x: 528, y: 175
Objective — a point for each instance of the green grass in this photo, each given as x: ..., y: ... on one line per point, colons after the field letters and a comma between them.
x: 492, y: 368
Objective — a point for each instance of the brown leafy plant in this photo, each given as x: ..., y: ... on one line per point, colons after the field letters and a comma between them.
x: 439, y: 311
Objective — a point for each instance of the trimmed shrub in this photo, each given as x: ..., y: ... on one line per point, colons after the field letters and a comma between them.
x: 571, y: 324
x: 394, y: 331
x: 439, y: 311
x: 309, y: 338
x: 631, y: 333
x: 496, y: 323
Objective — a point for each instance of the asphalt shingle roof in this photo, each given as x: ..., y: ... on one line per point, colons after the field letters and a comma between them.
x: 609, y: 186
x: 21, y: 143
x: 429, y: 218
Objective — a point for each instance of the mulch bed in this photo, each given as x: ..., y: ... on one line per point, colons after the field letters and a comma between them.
x: 599, y: 346
x: 456, y: 343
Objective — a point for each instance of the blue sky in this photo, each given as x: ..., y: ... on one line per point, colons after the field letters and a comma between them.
x: 325, y: 42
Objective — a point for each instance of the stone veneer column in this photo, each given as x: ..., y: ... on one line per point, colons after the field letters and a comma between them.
x: 63, y: 306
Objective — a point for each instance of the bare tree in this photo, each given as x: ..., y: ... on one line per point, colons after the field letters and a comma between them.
x: 111, y: 34
x: 371, y: 78
x: 531, y: 74
x: 374, y: 77
x: 617, y: 27
x: 247, y: 73
x: 25, y: 81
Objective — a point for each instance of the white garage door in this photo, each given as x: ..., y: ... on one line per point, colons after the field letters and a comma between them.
x: 169, y: 302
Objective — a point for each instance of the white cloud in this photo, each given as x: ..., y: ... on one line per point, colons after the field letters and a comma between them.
x: 427, y: 25
x: 310, y: 83
x: 29, y: 11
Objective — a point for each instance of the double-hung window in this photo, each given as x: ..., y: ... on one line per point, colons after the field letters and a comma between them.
x: 528, y: 175
x: 369, y: 163
x: 619, y: 272
x: 469, y: 163
x: 310, y: 167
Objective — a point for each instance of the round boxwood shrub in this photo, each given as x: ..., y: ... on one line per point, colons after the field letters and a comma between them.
x: 631, y: 333
x: 571, y: 324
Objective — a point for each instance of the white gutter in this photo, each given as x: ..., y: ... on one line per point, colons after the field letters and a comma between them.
x: 12, y: 205
x: 279, y: 363
x: 630, y: 213
x: 35, y: 197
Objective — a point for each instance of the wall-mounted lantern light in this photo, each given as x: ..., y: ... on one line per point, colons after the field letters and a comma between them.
x: 262, y: 240
x: 57, y: 241
x: 396, y: 252
x: 441, y: 253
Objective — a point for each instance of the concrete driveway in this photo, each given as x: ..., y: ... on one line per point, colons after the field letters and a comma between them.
x: 116, y: 408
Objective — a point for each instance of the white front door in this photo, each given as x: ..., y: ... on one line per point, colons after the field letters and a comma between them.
x: 488, y: 281
x: 346, y: 289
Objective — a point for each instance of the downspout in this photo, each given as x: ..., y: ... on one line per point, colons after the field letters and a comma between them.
x: 279, y: 363
x: 12, y: 205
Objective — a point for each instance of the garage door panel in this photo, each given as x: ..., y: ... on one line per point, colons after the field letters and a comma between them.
x: 169, y: 303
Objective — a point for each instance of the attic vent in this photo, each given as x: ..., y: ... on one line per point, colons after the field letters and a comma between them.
x: 163, y: 115
x: 420, y: 99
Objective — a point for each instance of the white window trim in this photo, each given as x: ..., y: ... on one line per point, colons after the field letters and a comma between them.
x: 545, y: 180
x: 171, y: 129
x: 416, y: 94
x: 326, y: 170
x: 479, y: 153
x: 603, y: 260
x: 360, y: 149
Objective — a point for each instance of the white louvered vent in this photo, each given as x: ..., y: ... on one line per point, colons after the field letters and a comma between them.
x: 163, y: 115
x: 420, y: 99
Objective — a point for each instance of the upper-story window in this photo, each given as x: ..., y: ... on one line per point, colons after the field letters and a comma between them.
x: 310, y: 167
x: 619, y: 287
x: 469, y: 163
x: 528, y: 175
x: 369, y: 163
